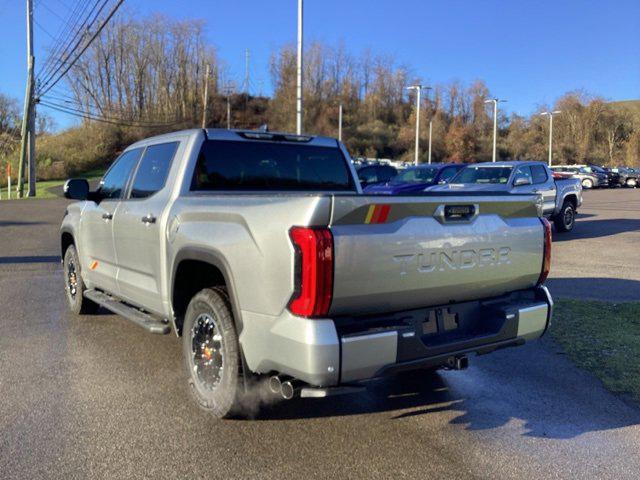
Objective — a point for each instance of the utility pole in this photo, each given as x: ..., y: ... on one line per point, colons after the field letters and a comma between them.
x: 299, y: 72
x: 418, y: 89
x: 246, y: 71
x: 551, y: 114
x: 340, y: 122
x: 27, y: 148
x: 430, y: 132
x: 205, y: 102
x: 495, y: 102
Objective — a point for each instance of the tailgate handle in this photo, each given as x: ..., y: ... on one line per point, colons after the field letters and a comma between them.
x: 457, y: 213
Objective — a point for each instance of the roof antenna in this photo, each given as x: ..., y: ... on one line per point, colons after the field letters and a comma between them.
x: 263, y: 128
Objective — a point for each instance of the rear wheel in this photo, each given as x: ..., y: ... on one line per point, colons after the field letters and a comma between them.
x: 587, y: 183
x: 566, y: 218
x: 631, y: 182
x: 211, y: 352
x: 74, y: 285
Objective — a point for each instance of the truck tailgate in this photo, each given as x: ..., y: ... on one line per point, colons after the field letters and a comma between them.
x: 399, y: 253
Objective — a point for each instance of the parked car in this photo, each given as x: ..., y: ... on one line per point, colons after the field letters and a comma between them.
x: 416, y: 179
x: 261, y: 252
x: 560, y: 198
x: 628, y: 177
x: 588, y: 178
x: 613, y: 178
x: 375, y: 174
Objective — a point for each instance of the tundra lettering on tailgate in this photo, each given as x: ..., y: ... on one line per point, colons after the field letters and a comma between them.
x: 440, y: 260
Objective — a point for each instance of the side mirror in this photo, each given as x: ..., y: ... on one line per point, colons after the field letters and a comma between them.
x: 521, y: 181
x: 76, y: 189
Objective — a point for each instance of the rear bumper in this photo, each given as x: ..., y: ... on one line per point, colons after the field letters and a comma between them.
x: 349, y: 349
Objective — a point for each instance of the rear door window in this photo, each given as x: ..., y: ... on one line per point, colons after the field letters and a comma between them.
x: 539, y: 174
x: 448, y: 173
x: 115, y: 180
x: 259, y: 165
x: 153, y: 170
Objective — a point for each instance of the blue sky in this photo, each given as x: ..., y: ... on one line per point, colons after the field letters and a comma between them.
x: 529, y: 52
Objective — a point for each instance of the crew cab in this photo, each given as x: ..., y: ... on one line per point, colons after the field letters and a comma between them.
x: 560, y: 198
x: 262, y: 253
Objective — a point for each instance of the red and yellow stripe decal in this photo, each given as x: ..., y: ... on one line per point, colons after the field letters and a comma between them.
x: 377, y: 214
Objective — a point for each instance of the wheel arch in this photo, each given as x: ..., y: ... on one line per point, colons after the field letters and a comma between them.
x: 66, y: 240
x: 211, y: 270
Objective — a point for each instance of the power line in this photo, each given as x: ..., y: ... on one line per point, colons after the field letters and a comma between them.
x: 60, y: 44
x: 93, y: 37
x: 69, y: 50
x: 110, y: 120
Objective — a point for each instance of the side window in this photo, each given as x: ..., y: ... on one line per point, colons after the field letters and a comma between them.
x: 368, y: 175
x: 153, y: 169
x: 386, y: 173
x: 523, y: 172
x: 115, y: 180
x: 448, y: 173
x: 539, y: 174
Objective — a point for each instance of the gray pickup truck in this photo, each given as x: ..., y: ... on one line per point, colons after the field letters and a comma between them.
x: 560, y: 198
x: 261, y: 252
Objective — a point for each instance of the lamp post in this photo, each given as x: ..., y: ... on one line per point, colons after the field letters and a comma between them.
x: 340, y: 122
x: 430, y: 132
x: 551, y: 114
x: 299, y: 72
x: 495, y: 102
x: 418, y: 89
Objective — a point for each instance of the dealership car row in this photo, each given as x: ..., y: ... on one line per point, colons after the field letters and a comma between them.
x: 559, y: 187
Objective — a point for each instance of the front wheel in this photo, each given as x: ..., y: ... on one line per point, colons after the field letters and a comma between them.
x: 566, y: 218
x: 632, y: 182
x: 211, y: 352
x: 587, y: 183
x: 74, y: 285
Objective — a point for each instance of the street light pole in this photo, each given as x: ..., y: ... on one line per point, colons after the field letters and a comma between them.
x: 340, y: 122
x: 430, y: 132
x: 551, y: 114
x: 299, y: 72
x: 495, y: 123
x: 418, y: 89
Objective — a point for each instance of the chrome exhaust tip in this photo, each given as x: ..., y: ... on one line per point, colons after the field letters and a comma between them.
x: 275, y: 385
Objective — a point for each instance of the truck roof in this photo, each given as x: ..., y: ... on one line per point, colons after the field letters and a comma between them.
x: 244, y: 135
x: 510, y: 163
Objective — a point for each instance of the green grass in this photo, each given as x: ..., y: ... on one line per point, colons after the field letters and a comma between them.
x: 603, y: 338
x: 43, y: 186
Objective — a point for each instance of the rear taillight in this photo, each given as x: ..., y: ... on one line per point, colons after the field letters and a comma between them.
x: 546, y: 259
x: 313, y: 267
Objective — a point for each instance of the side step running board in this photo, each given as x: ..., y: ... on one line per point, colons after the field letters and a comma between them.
x: 142, y: 319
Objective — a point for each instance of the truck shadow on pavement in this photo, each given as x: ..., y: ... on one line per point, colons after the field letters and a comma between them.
x: 30, y: 259
x: 598, y: 228
x: 532, y: 391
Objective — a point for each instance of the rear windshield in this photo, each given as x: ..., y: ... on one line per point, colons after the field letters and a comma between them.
x: 416, y: 175
x: 481, y: 175
x: 256, y: 165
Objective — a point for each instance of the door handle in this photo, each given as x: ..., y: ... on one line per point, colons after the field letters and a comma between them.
x: 107, y: 216
x: 149, y: 219
x: 535, y: 190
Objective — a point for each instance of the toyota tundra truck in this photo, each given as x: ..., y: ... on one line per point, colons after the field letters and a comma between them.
x: 260, y: 251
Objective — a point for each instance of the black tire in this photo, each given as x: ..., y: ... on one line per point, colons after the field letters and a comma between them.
x: 210, y: 309
x: 74, y: 285
x: 566, y: 218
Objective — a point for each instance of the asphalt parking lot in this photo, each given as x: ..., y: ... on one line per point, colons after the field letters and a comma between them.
x: 97, y: 397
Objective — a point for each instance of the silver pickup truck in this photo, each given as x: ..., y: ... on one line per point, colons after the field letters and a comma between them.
x: 261, y: 252
x: 560, y: 198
